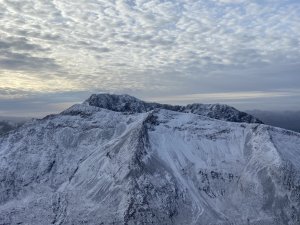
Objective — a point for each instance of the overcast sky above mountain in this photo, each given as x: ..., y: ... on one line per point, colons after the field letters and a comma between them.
x: 242, y: 52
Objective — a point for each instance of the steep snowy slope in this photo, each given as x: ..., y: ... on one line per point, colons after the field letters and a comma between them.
x: 91, y: 165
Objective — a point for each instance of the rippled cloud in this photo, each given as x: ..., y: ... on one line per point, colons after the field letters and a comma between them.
x: 147, y: 46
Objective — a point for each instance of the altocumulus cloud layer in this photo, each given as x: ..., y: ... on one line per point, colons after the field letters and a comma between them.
x: 191, y: 50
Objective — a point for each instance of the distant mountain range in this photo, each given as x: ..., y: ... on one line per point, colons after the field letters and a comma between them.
x: 285, y: 119
x: 10, y: 123
x: 115, y: 159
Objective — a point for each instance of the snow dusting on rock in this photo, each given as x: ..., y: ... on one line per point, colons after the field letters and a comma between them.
x: 118, y: 160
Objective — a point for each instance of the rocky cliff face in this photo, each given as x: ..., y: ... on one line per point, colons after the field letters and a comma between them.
x: 102, y: 164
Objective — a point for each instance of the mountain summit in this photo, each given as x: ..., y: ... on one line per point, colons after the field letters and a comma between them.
x: 127, y: 103
x: 115, y: 159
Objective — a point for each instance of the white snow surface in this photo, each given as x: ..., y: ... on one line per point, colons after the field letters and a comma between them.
x: 91, y: 165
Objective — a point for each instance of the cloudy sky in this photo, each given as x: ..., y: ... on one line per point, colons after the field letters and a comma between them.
x: 55, y: 53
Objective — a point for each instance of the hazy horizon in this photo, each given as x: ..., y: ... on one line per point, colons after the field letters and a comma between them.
x: 38, y: 107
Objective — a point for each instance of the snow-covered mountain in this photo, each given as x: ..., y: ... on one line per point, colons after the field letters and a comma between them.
x: 117, y: 160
